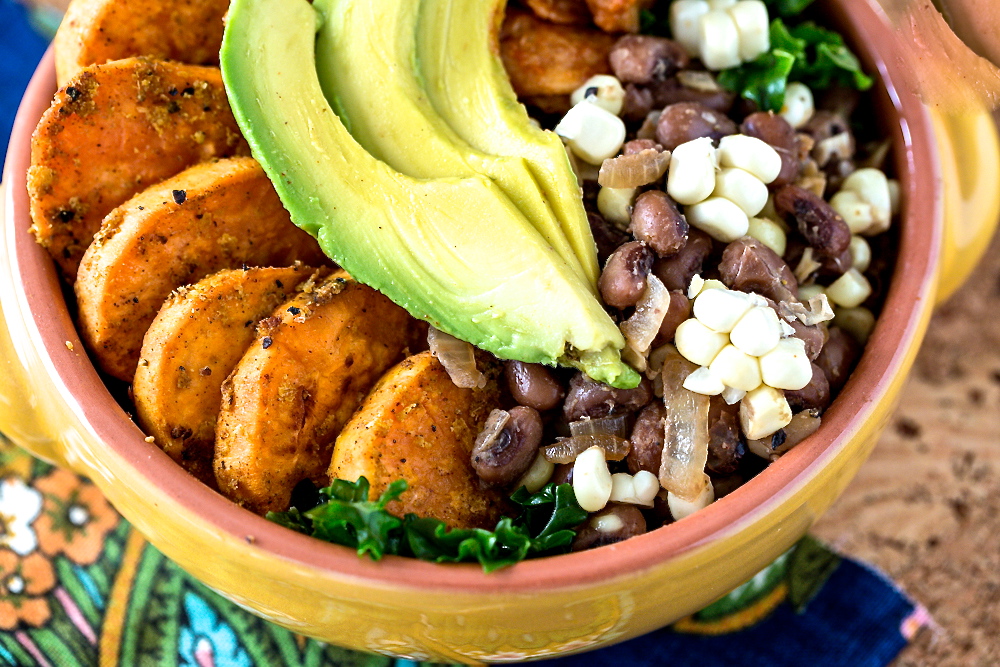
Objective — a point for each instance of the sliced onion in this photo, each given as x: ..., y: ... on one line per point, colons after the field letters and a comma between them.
x: 630, y: 171
x: 685, y: 445
x: 814, y: 311
x: 613, y: 425
x: 458, y: 359
x: 494, y: 426
x: 567, y: 449
x: 698, y: 80
x: 641, y: 328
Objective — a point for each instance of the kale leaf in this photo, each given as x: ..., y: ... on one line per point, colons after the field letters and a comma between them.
x: 815, y: 56
x: 345, y: 516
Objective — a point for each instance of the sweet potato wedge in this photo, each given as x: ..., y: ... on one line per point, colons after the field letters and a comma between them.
x: 418, y: 426
x: 192, y: 346
x: 547, y: 59
x: 96, y: 31
x: 618, y: 15
x: 212, y: 216
x: 308, y: 370
x: 113, y: 131
x: 569, y: 12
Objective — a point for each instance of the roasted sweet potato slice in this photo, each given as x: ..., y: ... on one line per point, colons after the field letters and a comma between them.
x: 193, y: 345
x: 308, y: 370
x: 547, y: 59
x: 418, y: 426
x: 95, y: 31
x: 213, y: 216
x: 618, y: 15
x: 113, y: 131
x: 571, y: 12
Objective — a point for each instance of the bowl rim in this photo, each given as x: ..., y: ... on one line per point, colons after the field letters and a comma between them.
x: 910, y: 295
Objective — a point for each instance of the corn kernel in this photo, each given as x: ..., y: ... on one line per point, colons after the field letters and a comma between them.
x: 681, y: 508
x: 750, y: 154
x: 736, y: 369
x: 719, y: 218
x: 615, y: 204
x: 718, y: 40
x: 769, y: 233
x: 593, y: 134
x: 591, y: 479
x: 786, y: 366
x: 858, y: 322
x: 704, y: 381
x: 721, y: 309
x: 697, y: 343
x: 752, y: 26
x: 742, y: 188
x: 850, y: 289
x: 757, y: 332
x: 799, y: 105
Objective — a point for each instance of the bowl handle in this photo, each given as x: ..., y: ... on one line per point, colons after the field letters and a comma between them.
x: 969, y: 151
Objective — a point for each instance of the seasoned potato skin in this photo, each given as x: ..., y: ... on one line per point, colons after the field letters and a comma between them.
x: 95, y: 31
x: 192, y: 346
x: 230, y: 216
x: 309, y: 368
x: 112, y: 132
x: 419, y: 426
x: 547, y: 59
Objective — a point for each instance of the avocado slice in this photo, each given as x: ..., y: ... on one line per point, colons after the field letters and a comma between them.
x: 465, y: 80
x: 373, y: 85
x: 421, y: 242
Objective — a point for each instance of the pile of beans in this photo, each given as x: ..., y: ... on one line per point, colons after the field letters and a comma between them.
x: 801, y: 247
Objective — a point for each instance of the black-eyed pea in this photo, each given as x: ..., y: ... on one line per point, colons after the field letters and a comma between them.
x: 676, y: 272
x: 603, y: 90
x: 615, y: 523
x: 502, y: 455
x: 533, y: 385
x: 623, y: 279
x: 657, y: 222
x: 644, y: 59
x: 823, y: 228
x: 682, y: 122
x: 814, y: 396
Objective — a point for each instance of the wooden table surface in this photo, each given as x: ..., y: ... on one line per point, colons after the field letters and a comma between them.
x: 925, y: 508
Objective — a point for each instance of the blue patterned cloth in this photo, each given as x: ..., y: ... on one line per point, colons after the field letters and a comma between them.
x: 809, y: 608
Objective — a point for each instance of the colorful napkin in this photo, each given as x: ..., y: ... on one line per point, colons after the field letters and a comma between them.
x: 80, y: 587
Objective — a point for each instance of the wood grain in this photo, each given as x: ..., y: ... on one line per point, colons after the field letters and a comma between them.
x: 926, y: 507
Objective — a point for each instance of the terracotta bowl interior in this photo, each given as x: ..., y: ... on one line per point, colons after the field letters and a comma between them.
x: 87, y: 395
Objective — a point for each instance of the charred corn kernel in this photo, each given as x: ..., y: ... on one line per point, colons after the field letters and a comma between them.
x: 731, y: 395
x: 858, y: 322
x: 603, y: 90
x: 865, y: 202
x: 537, y: 475
x: 861, y: 253
x: 786, y: 366
x: 719, y: 218
x: 721, y: 309
x: 769, y: 233
x: 681, y: 508
x: 757, y: 332
x: 849, y: 290
x: 742, y: 188
x: 752, y: 26
x: 799, y: 106
x: 763, y: 411
x: 685, y: 23
x: 718, y: 40
x: 691, y: 176
x: 638, y: 490
x: 697, y: 343
x: 591, y: 479
x: 704, y: 381
x: 807, y: 292
x: 593, y: 134
x: 615, y: 204
x: 750, y: 154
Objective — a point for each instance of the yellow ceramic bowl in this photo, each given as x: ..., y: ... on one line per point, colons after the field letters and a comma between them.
x: 53, y: 403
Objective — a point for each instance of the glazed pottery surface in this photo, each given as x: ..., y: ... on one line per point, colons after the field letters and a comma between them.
x: 54, y: 403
